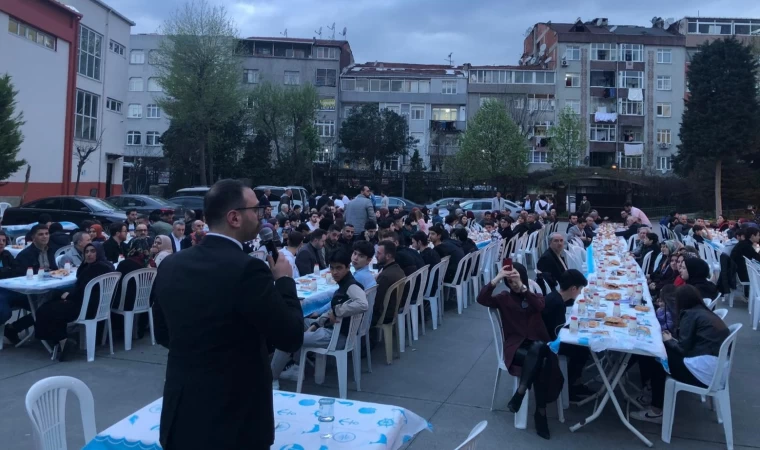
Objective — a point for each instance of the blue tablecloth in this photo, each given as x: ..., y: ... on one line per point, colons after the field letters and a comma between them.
x: 357, y: 425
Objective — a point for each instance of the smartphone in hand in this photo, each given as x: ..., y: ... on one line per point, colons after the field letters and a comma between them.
x: 507, y: 264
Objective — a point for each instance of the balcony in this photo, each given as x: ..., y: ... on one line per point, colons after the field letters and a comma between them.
x: 448, y: 126
x: 442, y: 150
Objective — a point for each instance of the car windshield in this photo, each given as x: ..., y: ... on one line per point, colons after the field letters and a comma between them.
x: 97, y: 204
x: 159, y: 200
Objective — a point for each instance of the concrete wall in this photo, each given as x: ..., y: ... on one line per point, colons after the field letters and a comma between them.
x: 146, y: 43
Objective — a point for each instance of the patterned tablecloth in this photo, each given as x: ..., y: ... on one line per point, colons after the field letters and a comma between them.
x: 357, y: 425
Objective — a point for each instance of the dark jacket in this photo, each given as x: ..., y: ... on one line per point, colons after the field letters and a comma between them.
x: 340, y: 302
x: 450, y: 247
x: 30, y: 257
x: 409, y: 260
x: 330, y: 249
x: 700, y: 332
x: 307, y: 257
x: 632, y: 230
x: 85, y: 274
x: 554, y: 313
x: 469, y: 246
x: 521, y: 229
x: 551, y: 268
x: 506, y: 233
x: 390, y: 275
x: 125, y: 268
x: 7, y: 265
x: 742, y: 249
x: 215, y: 309
x: 113, y: 249
x: 59, y: 239
x: 699, y: 272
x: 431, y: 259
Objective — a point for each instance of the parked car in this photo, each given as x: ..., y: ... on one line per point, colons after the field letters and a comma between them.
x: 69, y: 208
x: 198, y: 191
x: 193, y: 202
x: 300, y: 196
x: 394, y: 202
x: 446, y: 202
x: 146, y: 204
x: 480, y: 206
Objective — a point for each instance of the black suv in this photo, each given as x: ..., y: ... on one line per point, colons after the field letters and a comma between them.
x: 69, y: 208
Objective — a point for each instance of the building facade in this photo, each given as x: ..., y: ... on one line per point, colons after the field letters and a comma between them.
x: 38, y: 44
x: 625, y: 82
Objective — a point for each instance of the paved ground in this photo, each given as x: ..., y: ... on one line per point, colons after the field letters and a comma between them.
x: 447, y: 378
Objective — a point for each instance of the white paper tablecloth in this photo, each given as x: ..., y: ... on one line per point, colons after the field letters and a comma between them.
x: 357, y: 425
x: 37, y: 286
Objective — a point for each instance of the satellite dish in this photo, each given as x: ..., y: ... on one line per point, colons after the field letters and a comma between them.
x: 542, y: 50
x: 343, y: 33
x: 533, y: 60
x: 669, y: 21
x: 548, y: 60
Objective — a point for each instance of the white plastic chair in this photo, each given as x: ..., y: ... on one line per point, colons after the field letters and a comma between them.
x: 435, y: 284
x: 531, y: 249
x: 3, y: 207
x: 389, y: 329
x: 46, y: 407
x: 645, y: 262
x: 61, y: 251
x: 371, y: 293
x: 143, y: 286
x: 21, y: 240
x: 417, y: 309
x: 107, y: 284
x: 710, y: 303
x: 403, y: 322
x: 459, y: 283
x: 341, y: 357
x: 716, y: 389
x: 722, y: 313
x: 753, y: 274
x: 521, y: 418
x: 473, y: 276
x: 632, y: 242
x: 471, y: 443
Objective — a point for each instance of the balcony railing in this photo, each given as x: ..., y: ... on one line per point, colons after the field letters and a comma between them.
x: 443, y: 150
x: 448, y: 126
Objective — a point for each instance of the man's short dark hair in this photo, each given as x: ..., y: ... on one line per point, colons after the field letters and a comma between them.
x: 691, y: 221
x: 340, y: 257
x: 573, y: 215
x: 487, y: 223
x: 38, y: 227
x: 438, y: 229
x: 190, y: 214
x: 389, y: 247
x: 572, y: 278
x: 2, y: 234
x: 388, y: 235
x: 653, y: 237
x: 295, y: 238
x: 55, y: 227
x: 45, y: 218
x: 421, y: 237
x: 347, y: 225
x: 283, y: 220
x: 749, y: 232
x: 627, y: 205
x: 223, y: 196
x: 460, y: 233
x: 385, y: 224
x: 334, y: 227
x: 451, y: 218
x: 296, y: 207
x: 115, y: 228
x: 303, y: 228
x: 316, y: 235
x: 370, y: 225
x: 364, y: 248
x: 135, y: 210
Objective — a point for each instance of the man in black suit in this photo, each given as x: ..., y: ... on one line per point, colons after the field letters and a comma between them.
x: 115, y: 245
x: 216, y: 309
x: 552, y: 263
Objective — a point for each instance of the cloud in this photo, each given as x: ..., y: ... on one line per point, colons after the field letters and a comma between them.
x: 426, y: 31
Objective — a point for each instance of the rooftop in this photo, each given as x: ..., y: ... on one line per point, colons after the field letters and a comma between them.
x: 391, y: 69
x: 313, y: 41
x: 621, y: 30
x: 104, y: 5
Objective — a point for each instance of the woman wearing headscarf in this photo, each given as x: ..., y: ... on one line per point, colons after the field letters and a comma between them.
x: 162, y: 247
x: 138, y: 257
x: 96, y: 233
x: 696, y: 272
x: 662, y: 273
x: 55, y: 315
x: 526, y: 354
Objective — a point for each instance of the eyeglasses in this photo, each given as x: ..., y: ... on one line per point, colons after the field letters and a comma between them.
x: 259, y: 209
x: 141, y: 230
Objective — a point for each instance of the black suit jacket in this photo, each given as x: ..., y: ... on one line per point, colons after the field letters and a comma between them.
x: 551, y: 267
x: 215, y: 310
x: 113, y: 249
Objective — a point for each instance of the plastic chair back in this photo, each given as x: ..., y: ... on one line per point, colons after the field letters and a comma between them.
x: 367, y: 319
x: 498, y: 338
x: 3, y: 207
x: 631, y: 243
x: 411, y: 282
x: 107, y: 284
x: 646, y: 261
x: 396, y: 289
x: 464, y: 264
x: 144, y: 279
x: 722, y: 313
x: 472, y: 440
x: 725, y: 360
x: 61, y: 251
x: 46, y: 407
x: 353, y: 330
x: 534, y: 287
x: 435, y: 278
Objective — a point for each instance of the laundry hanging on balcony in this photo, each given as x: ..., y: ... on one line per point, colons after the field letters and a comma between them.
x: 636, y: 95
x: 604, y: 116
x: 633, y: 149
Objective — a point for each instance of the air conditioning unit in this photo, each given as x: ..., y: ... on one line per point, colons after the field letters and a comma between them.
x: 664, y: 146
x: 564, y: 63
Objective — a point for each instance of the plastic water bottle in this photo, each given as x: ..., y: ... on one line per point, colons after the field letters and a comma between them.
x: 326, y: 417
x: 29, y: 273
x: 316, y: 269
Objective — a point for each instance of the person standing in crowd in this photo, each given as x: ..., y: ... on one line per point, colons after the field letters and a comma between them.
x: 527, y: 204
x: 177, y: 234
x: 131, y: 219
x: 216, y: 309
x: 636, y: 212
x: 75, y: 254
x: 58, y: 237
x: 189, y: 219
x: 360, y: 210
x: 115, y: 246
x: 163, y: 226
x: 384, y: 200
x: 498, y: 203
x: 552, y: 263
x: 287, y: 198
x: 585, y: 206
x: 390, y: 273
x: 264, y: 199
x: 310, y: 254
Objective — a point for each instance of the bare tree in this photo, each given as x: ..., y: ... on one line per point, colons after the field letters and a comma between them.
x: 84, y: 150
x: 143, y: 158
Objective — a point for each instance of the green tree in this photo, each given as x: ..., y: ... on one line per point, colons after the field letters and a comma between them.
x: 10, y: 129
x: 568, y: 139
x: 415, y: 180
x: 200, y: 74
x: 493, y: 149
x: 722, y: 117
x: 375, y: 136
x: 256, y: 163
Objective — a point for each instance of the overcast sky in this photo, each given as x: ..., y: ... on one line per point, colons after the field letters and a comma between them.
x: 426, y: 31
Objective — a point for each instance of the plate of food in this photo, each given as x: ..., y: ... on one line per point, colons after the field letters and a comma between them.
x: 627, y: 317
x: 613, y: 296
x: 600, y: 315
x: 609, y: 285
x: 642, y: 308
x: 614, y: 262
x: 593, y: 324
x: 60, y: 273
x: 615, y: 322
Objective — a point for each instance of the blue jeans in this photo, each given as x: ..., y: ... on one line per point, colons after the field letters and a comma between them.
x: 8, y: 301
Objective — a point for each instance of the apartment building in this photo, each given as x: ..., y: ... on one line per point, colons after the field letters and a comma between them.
x: 38, y: 45
x: 626, y: 83
x: 528, y: 94
x: 433, y: 98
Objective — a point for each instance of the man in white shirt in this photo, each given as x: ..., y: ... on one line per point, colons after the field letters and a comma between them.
x: 345, y: 199
x: 542, y: 206
x: 295, y: 239
x: 313, y: 222
x: 177, y: 234
x: 636, y: 212
x: 384, y: 200
x: 527, y: 204
x: 498, y: 203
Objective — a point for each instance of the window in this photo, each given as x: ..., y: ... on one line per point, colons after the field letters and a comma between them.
x: 362, y: 84
x: 424, y: 86
x: 151, y: 138
x: 327, y: 104
x: 325, y: 53
x: 322, y: 156
x: 154, y: 85
x: 664, y: 163
x: 348, y: 84
x: 113, y: 105
x: 664, y: 83
x: 663, y: 137
x: 90, y: 44
x: 397, y: 85
x: 664, y: 56
x: 418, y: 112
x: 484, y: 100
x: 603, y: 52
x: 136, y: 84
x: 632, y: 135
x: 523, y: 77
x: 394, y: 108
x: 153, y: 56
x: 134, y: 111
x: 248, y: 102
x: 631, y: 79
x: 86, y: 116
x: 153, y: 111
x: 116, y: 48
x: 250, y: 76
x: 632, y: 52
x: 448, y: 87
x: 519, y: 102
x: 33, y: 34
x: 326, y: 77
x: 575, y: 105
x: 292, y: 78
x: 630, y: 162
x: 392, y: 164
x: 538, y: 156
x: 137, y: 57
x: 325, y: 128
x: 573, y: 53
x: 491, y: 76
x: 602, y: 132
x: 572, y: 80
x: 603, y: 78
x: 134, y: 138
x: 544, y: 78
x: 447, y: 114
x: 663, y: 110
x: 631, y: 108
